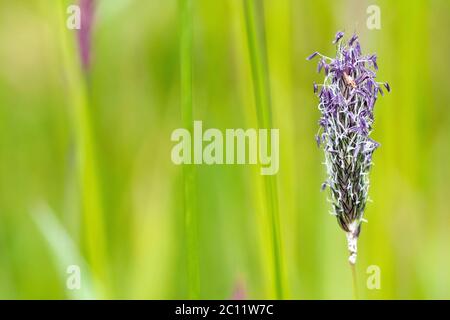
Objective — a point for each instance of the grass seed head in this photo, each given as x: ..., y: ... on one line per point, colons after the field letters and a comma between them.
x: 346, y: 102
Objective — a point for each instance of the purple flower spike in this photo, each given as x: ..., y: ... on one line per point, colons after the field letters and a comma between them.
x: 85, y: 33
x: 346, y: 101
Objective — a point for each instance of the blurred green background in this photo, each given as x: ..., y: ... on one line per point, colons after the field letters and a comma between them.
x: 131, y: 241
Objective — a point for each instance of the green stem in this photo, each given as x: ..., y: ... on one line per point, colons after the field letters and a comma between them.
x: 254, y: 17
x: 94, y: 233
x: 189, y: 175
x: 354, y: 281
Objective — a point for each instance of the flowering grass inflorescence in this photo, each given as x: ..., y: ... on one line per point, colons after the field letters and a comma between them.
x: 347, y: 98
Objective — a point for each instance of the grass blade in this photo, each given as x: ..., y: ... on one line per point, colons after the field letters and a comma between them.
x: 95, y: 239
x: 254, y: 13
x: 64, y: 249
x: 189, y: 175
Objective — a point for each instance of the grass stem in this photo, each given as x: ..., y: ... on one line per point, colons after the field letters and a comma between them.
x: 254, y: 17
x: 189, y: 174
x: 94, y: 233
x: 354, y: 281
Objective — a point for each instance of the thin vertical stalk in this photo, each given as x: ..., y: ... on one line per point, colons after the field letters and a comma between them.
x: 189, y: 174
x: 354, y: 281
x: 94, y: 233
x: 254, y: 17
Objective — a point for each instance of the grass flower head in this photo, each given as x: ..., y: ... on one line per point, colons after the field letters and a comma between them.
x: 346, y: 101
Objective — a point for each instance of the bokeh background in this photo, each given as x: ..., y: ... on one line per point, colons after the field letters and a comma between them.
x: 96, y: 188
